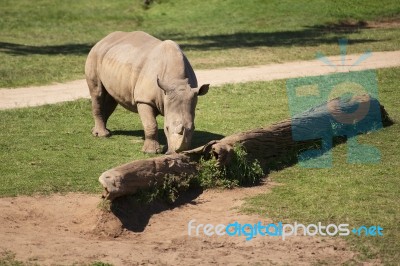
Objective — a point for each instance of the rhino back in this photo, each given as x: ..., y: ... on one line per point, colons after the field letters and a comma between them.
x: 128, y: 65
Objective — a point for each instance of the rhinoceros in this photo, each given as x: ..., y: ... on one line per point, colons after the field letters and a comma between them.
x: 146, y: 76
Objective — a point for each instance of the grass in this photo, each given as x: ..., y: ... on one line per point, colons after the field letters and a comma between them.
x: 50, y: 149
x: 357, y: 194
x: 239, y: 172
x: 47, y: 41
x: 8, y: 259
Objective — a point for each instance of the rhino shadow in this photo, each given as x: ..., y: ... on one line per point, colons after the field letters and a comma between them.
x: 199, y: 137
x: 135, y: 216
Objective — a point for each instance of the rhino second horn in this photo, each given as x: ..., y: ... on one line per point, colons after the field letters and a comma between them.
x: 164, y: 85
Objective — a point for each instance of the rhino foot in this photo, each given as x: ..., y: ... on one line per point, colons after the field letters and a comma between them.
x: 151, y: 146
x: 101, y: 132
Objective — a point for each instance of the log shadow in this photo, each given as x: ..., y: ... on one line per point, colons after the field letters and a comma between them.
x: 292, y: 151
x: 134, y: 216
x: 291, y: 157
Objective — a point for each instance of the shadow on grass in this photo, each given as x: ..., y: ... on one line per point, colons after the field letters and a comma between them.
x: 309, y: 36
x: 64, y: 49
x: 135, y: 216
x: 323, y: 127
x: 200, y: 138
x: 290, y: 156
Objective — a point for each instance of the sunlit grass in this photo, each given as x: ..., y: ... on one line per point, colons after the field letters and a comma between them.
x: 357, y: 194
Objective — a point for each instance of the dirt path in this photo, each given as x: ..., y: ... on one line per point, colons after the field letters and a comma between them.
x: 72, y: 229
x: 33, y: 96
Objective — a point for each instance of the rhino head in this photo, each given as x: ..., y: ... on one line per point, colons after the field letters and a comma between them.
x: 179, y: 111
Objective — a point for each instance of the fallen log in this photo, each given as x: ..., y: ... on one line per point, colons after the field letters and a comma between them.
x: 128, y: 178
x: 264, y: 144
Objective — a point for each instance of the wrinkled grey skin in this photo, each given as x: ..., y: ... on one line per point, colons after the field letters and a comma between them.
x: 146, y: 76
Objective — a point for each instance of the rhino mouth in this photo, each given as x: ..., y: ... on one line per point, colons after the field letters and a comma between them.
x: 179, y: 142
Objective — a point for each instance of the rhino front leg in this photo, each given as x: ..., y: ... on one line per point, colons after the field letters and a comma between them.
x: 148, y: 117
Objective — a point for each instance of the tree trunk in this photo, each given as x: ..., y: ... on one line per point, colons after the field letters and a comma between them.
x: 264, y: 144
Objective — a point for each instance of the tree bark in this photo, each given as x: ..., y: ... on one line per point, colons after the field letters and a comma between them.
x: 264, y: 144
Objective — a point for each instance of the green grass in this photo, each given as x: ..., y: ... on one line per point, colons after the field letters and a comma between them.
x: 50, y: 149
x: 357, y: 194
x: 47, y: 41
x: 239, y: 172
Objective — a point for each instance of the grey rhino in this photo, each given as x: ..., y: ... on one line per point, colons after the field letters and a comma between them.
x: 146, y: 76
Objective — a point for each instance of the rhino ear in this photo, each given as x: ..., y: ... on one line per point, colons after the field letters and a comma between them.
x: 203, y: 89
x: 164, y: 85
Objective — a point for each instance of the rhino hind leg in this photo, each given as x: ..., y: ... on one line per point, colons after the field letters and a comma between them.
x: 148, y: 117
x: 103, y: 105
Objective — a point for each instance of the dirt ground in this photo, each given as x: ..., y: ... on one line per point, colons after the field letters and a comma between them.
x: 72, y: 228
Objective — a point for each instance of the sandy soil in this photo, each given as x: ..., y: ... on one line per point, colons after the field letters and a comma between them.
x: 40, y: 95
x: 66, y: 229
